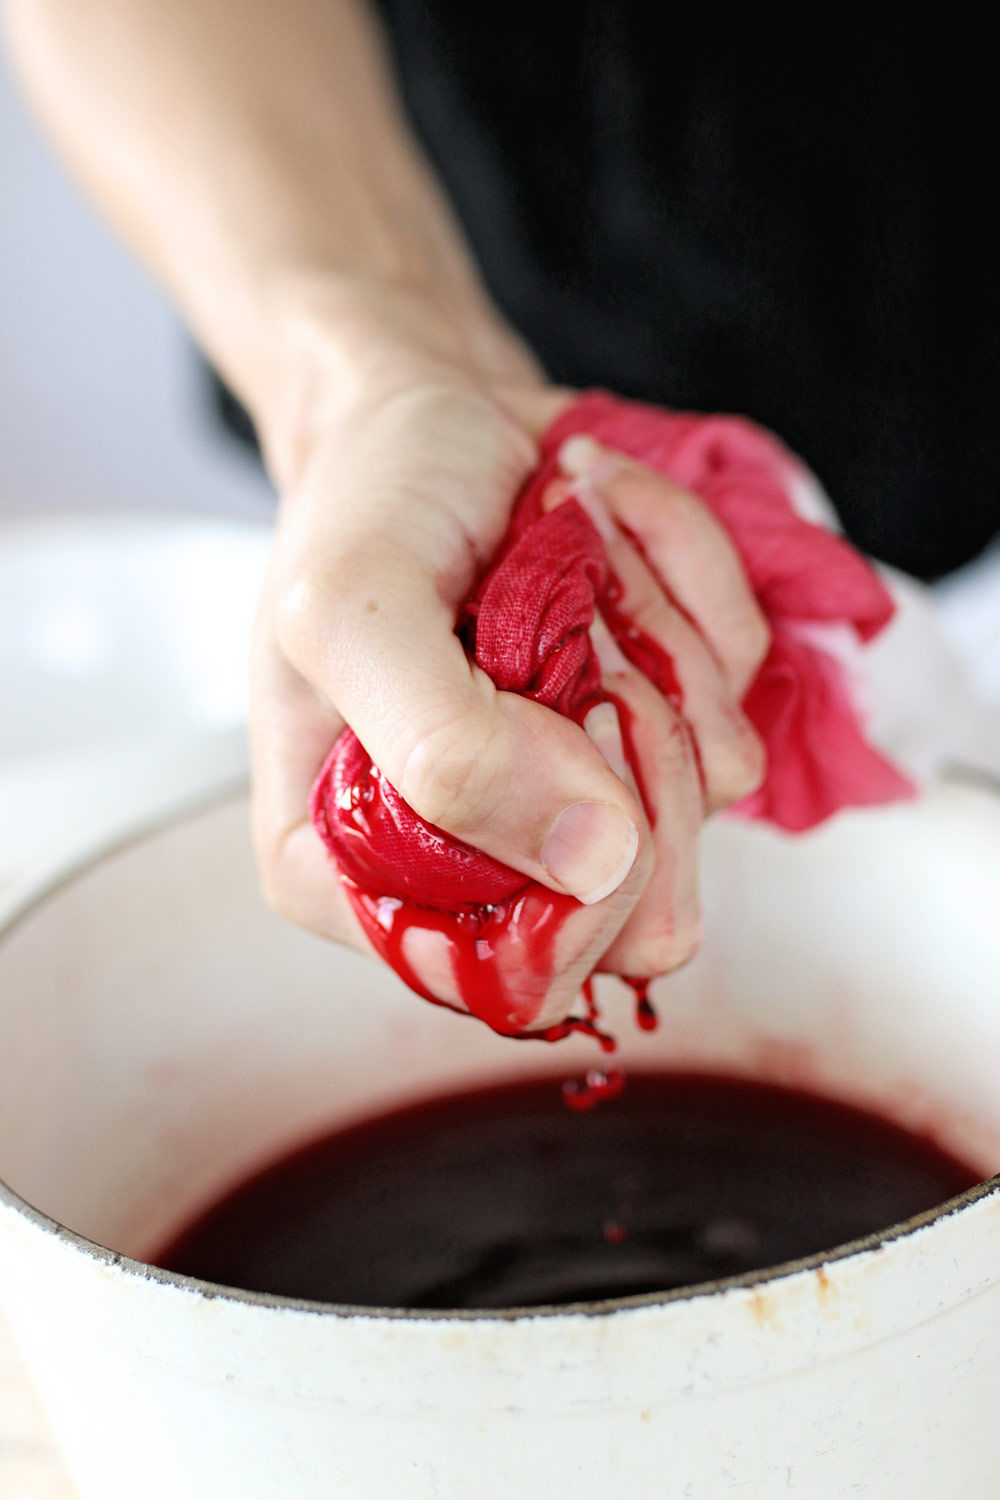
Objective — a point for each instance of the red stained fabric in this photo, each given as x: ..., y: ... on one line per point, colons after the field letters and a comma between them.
x: 527, y: 627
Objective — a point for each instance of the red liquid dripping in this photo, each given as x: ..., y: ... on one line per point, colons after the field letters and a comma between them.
x: 672, y: 599
x: 640, y: 649
x: 653, y: 661
x: 597, y: 1088
x: 645, y: 1016
x: 517, y: 935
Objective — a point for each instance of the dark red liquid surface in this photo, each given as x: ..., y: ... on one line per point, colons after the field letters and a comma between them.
x: 506, y: 1198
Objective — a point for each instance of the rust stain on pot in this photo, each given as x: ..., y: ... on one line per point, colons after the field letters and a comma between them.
x: 765, y: 1313
x: 828, y: 1294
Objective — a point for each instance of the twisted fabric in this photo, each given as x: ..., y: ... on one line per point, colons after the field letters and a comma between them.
x: 527, y: 627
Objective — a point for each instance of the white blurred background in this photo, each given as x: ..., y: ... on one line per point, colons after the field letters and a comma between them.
x: 99, y: 390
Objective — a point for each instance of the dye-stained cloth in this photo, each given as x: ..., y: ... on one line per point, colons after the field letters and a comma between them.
x: 527, y: 626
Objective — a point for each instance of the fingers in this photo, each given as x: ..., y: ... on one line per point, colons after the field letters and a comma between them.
x: 539, y: 996
x: 687, y: 549
x: 652, y: 923
x: 291, y: 732
x: 358, y: 626
x: 493, y: 769
x: 663, y: 929
x: 669, y: 650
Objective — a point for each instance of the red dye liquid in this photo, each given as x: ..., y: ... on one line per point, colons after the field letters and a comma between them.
x: 645, y: 1016
x: 597, y: 1088
x: 650, y: 658
x: 506, y: 1198
x: 626, y: 722
x: 638, y: 647
x: 516, y: 935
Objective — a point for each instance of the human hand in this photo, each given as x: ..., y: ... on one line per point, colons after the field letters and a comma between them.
x: 289, y: 211
x: 400, y: 484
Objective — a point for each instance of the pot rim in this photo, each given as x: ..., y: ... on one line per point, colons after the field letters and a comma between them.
x: 115, y: 1261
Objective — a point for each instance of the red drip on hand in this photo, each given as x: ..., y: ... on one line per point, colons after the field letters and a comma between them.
x: 527, y: 627
x: 484, y: 943
x: 645, y: 1016
x: 478, y: 938
x: 586, y: 1025
x: 654, y: 662
x: 487, y: 941
x: 626, y: 722
x: 647, y: 655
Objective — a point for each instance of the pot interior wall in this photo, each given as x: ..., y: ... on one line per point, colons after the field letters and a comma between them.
x: 162, y: 1033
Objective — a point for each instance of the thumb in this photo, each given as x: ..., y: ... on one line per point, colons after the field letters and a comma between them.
x: 498, y: 771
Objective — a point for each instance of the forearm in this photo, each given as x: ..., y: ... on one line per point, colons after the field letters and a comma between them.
x: 255, y: 157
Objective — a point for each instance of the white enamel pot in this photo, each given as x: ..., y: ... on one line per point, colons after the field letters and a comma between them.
x: 162, y: 1034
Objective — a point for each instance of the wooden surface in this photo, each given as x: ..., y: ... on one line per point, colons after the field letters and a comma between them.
x: 30, y: 1466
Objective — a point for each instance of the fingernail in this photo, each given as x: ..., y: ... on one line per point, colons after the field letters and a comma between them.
x: 590, y: 850
x: 585, y: 495
x: 582, y: 457
x: 604, y: 729
x: 607, y: 649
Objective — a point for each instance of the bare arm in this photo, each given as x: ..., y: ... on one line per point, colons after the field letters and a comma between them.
x: 256, y: 158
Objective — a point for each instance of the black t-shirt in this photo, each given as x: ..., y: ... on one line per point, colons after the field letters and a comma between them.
x: 717, y: 211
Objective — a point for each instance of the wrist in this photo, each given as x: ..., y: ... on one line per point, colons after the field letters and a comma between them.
x: 340, y: 344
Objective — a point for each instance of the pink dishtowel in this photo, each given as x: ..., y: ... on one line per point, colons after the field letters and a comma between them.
x: 527, y: 627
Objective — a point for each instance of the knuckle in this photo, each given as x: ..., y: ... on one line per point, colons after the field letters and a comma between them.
x: 685, y: 947
x: 740, y: 767
x: 752, y: 644
x: 683, y: 943
x: 558, y: 1002
x: 758, y: 640
x: 679, y: 751
x: 668, y: 949
x: 294, y: 875
x: 467, y: 420
x: 302, y: 607
x: 319, y: 615
x: 753, y: 759
x: 269, y: 855
x: 456, y: 776
x: 270, y: 875
x: 749, y: 759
